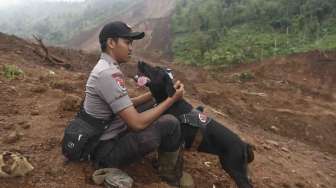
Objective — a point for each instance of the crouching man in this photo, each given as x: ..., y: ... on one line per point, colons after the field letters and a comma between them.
x: 123, y: 129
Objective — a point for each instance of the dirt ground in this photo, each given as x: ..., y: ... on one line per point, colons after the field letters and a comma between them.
x: 284, y: 106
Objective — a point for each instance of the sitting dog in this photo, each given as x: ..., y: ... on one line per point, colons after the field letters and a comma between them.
x: 13, y: 164
x: 233, y: 153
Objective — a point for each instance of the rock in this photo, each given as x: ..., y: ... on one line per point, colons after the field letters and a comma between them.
x: 286, y: 185
x: 319, y: 174
x: 39, y: 89
x: 8, y: 126
x: 327, y: 158
x: 275, y: 129
x: 12, y: 137
x: 21, y: 122
x: 35, y: 112
x: 26, y: 125
x: 268, y: 147
x: 13, y: 89
x: 284, y: 149
x: 70, y: 103
x: 300, y: 185
x: 272, y: 142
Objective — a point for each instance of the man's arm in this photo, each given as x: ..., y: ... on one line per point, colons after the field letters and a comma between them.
x: 141, y: 99
x: 139, y: 121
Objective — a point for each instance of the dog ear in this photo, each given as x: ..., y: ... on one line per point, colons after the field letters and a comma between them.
x: 169, y: 86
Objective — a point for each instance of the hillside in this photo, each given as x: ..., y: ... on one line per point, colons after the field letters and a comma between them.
x: 284, y: 106
x: 217, y: 32
x: 207, y: 33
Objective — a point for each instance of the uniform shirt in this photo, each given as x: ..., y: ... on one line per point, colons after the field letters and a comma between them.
x: 106, y: 95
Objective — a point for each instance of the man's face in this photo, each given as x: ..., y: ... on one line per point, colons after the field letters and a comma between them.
x: 122, y: 49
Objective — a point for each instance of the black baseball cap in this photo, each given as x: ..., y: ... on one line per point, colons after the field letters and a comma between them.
x: 118, y: 29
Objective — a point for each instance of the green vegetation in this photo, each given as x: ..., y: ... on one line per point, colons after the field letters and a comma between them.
x: 225, y: 32
x: 11, y: 72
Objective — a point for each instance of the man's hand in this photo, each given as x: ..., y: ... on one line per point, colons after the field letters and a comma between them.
x: 179, y: 87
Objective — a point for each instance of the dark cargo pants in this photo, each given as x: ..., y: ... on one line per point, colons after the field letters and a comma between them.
x: 164, y: 134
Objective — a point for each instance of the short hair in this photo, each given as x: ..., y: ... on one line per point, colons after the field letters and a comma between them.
x: 103, y: 44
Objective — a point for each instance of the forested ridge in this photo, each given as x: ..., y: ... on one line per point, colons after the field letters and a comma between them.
x: 58, y: 22
x: 211, y: 32
x: 234, y: 31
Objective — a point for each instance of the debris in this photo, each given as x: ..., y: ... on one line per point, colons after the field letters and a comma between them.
x: 13, y: 88
x: 284, y: 149
x: 217, y: 112
x: 8, y: 125
x: 272, y: 142
x: 14, y: 164
x: 26, y: 125
x: 22, y: 122
x: 275, y: 129
x: 207, y: 163
x: 266, y: 146
x: 50, y: 58
x: 256, y: 94
x: 51, y: 73
x: 35, y: 112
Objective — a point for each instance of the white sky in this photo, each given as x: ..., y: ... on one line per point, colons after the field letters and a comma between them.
x: 6, y: 3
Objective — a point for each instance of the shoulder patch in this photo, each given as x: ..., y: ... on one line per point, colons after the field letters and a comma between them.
x: 118, y: 77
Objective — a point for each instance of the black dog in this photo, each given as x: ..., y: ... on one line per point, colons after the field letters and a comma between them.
x: 233, y: 153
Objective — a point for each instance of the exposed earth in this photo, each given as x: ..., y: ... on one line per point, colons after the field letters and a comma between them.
x: 285, y: 107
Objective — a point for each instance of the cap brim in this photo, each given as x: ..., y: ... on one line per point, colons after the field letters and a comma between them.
x: 135, y: 35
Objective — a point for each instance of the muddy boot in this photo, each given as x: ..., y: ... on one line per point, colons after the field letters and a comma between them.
x: 171, y: 169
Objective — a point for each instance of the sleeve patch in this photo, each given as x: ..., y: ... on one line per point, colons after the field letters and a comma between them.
x: 120, y: 81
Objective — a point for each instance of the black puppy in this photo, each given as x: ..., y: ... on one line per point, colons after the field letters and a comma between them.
x: 233, y: 153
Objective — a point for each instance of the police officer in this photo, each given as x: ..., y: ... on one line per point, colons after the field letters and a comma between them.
x: 134, y: 130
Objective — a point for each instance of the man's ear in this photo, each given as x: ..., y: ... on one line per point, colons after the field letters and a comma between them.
x: 111, y: 43
x: 169, y: 86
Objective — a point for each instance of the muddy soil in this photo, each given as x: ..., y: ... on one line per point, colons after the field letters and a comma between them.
x: 284, y: 106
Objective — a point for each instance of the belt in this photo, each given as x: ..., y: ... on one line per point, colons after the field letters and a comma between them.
x: 97, y: 122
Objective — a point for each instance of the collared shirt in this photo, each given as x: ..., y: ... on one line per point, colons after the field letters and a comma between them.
x: 106, y: 94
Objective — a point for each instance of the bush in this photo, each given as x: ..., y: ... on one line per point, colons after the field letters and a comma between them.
x: 11, y: 72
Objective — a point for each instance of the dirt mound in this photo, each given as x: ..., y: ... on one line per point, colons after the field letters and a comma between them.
x: 260, y: 108
x: 295, y: 94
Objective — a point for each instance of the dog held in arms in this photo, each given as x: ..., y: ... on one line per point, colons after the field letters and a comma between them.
x: 200, y: 131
